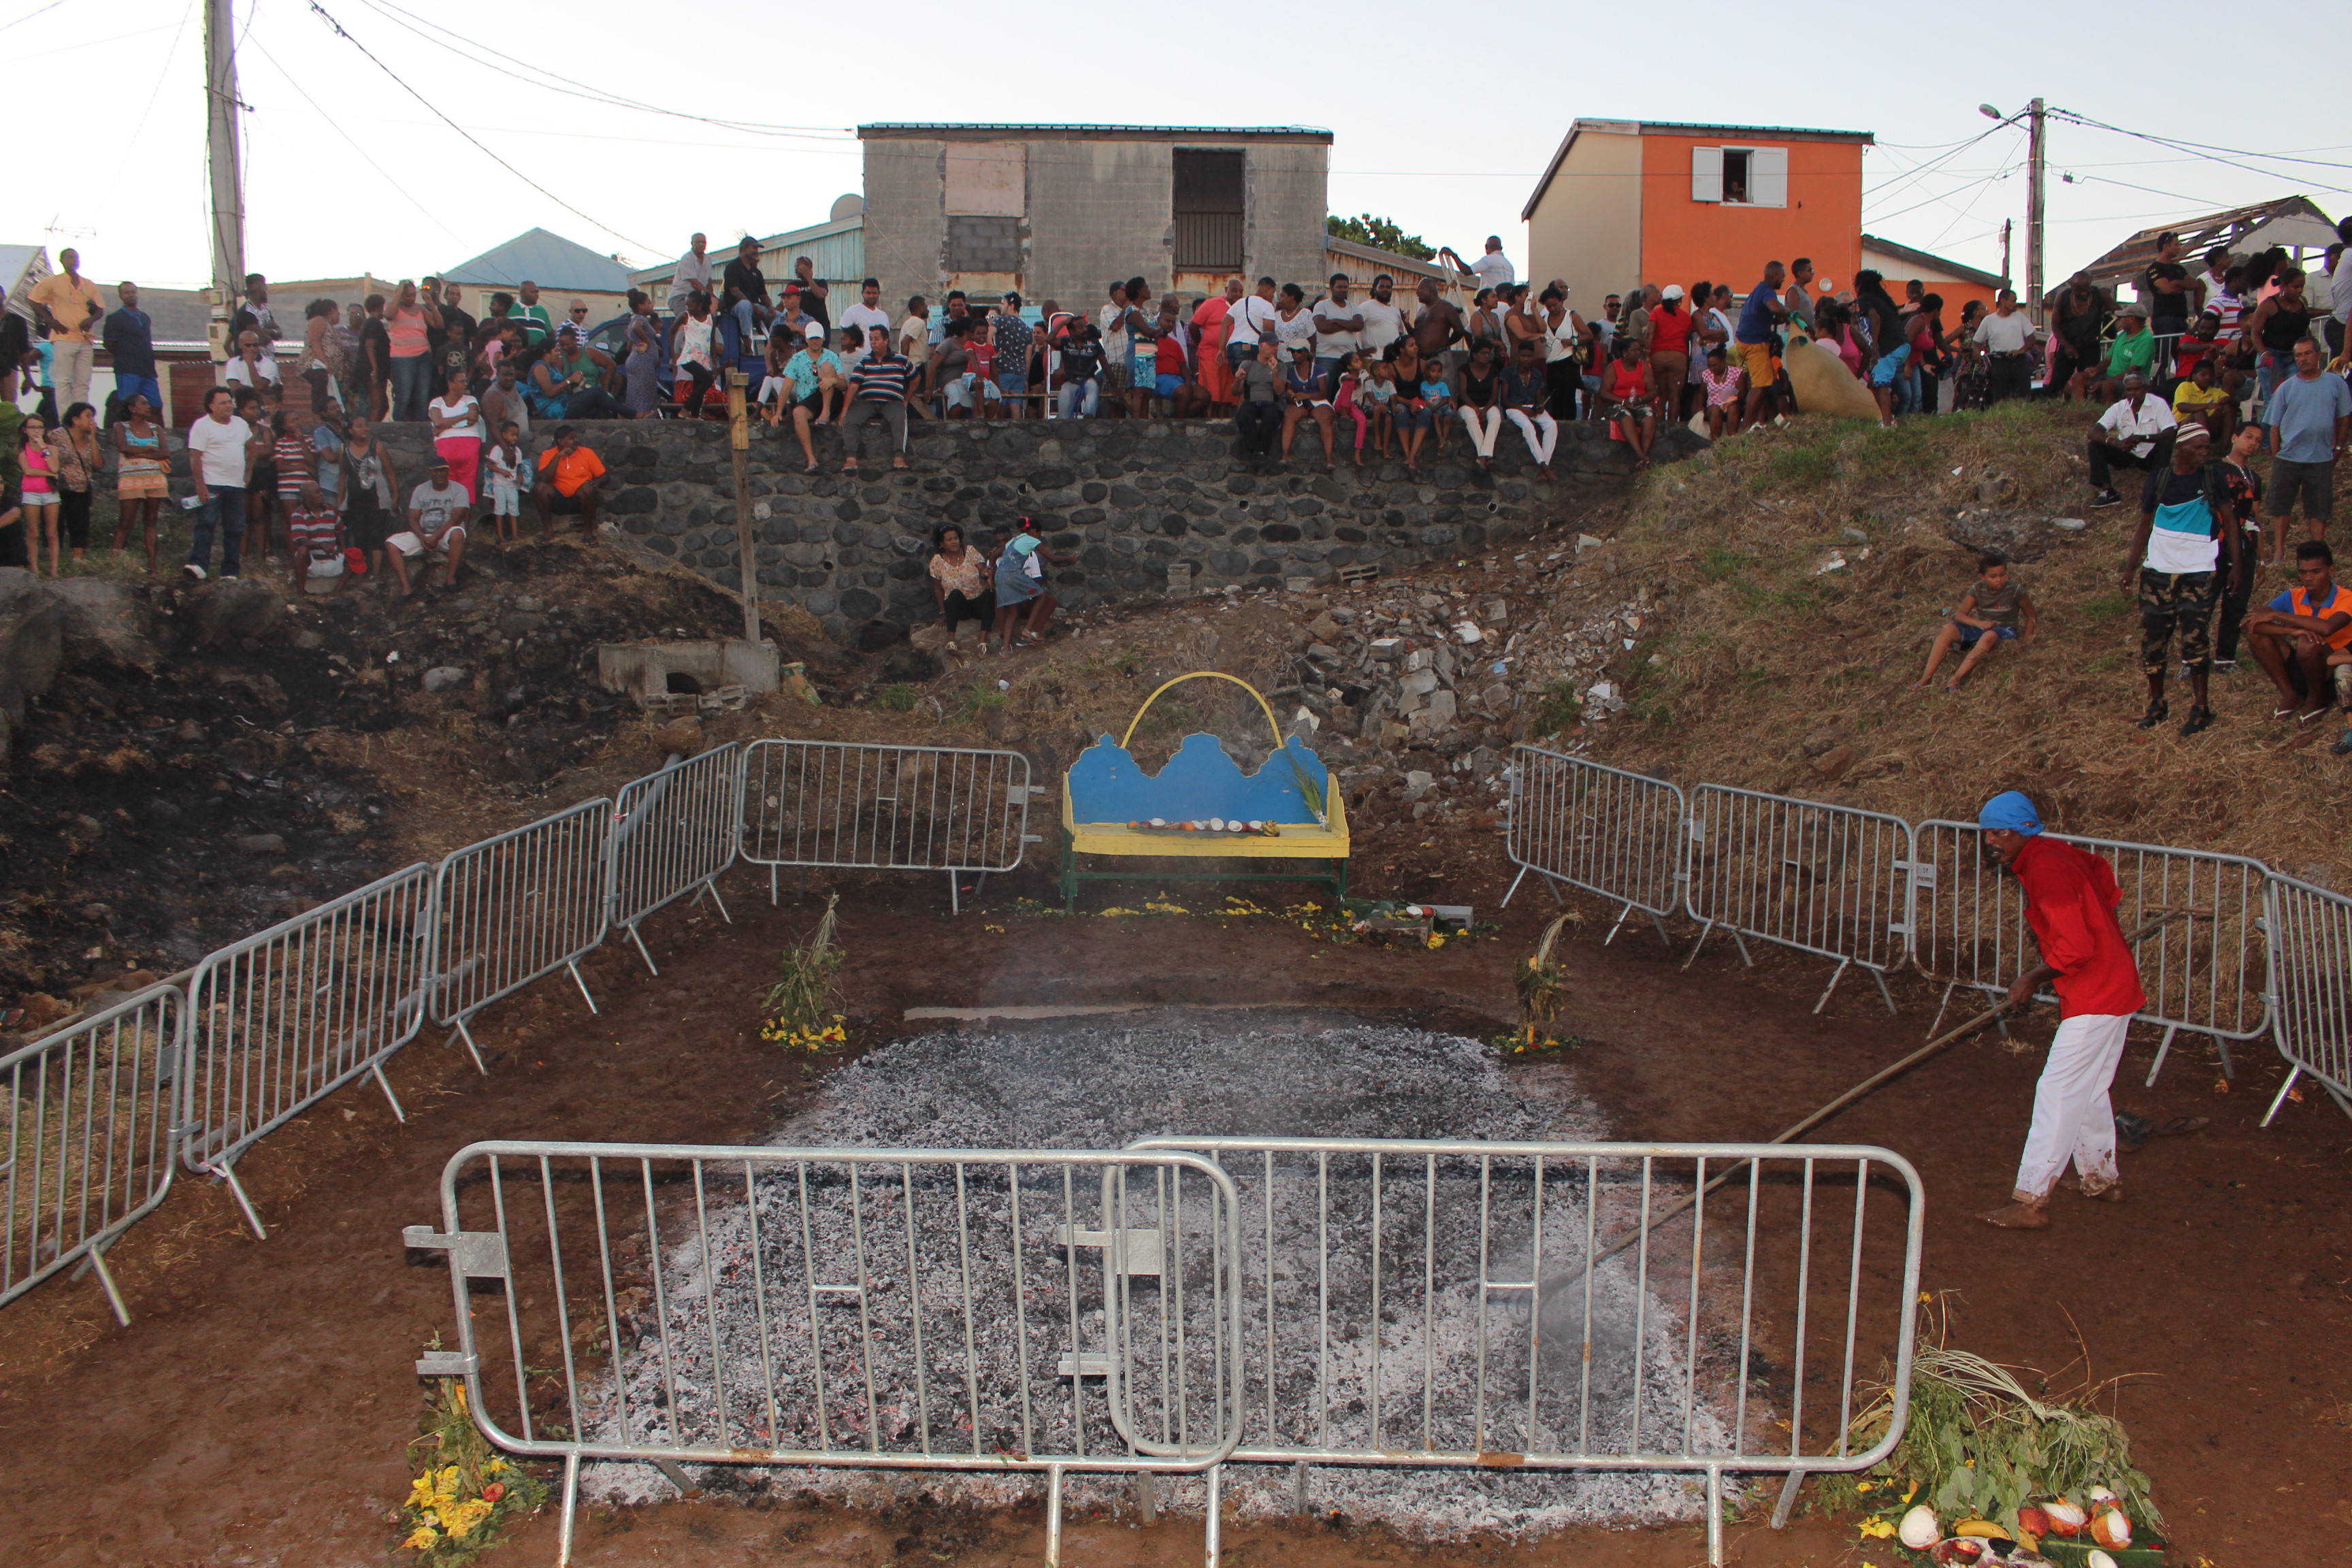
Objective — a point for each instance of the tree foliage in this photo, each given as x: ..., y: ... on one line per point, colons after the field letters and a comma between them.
x: 1381, y: 233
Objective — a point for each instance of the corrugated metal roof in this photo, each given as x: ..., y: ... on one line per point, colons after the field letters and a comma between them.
x: 1336, y: 247
x: 546, y: 259
x: 887, y: 129
x: 2289, y: 221
x: 15, y: 261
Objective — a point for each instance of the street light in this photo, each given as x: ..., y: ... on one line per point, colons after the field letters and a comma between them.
x: 1989, y: 113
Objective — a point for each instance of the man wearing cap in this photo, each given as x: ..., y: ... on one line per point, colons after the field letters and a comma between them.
x: 437, y: 512
x: 2135, y: 432
x: 2134, y: 348
x: 2071, y: 896
x: 2187, y: 529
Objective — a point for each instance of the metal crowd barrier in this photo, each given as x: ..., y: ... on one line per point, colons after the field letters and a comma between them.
x: 673, y: 834
x: 1612, y: 832
x: 887, y: 1309
x: 1832, y: 880
x: 1549, y: 1307
x: 516, y: 906
x: 847, y: 805
x: 2204, y: 972
x: 89, y: 1140
x: 282, y: 1020
x: 2311, y: 985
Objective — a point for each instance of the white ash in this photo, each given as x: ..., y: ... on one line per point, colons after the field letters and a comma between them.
x: 1083, y: 1086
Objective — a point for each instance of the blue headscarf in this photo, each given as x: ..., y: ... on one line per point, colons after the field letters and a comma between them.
x: 2011, y: 812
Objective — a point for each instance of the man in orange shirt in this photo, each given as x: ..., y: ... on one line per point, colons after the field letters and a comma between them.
x: 68, y: 304
x: 2070, y: 896
x: 569, y: 478
x: 2307, y: 631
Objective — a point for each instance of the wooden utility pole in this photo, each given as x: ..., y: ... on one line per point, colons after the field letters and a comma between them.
x: 224, y: 168
x: 2006, y: 225
x: 738, y: 441
x: 2036, y: 113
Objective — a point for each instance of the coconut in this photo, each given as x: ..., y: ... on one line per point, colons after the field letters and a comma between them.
x: 2102, y: 1495
x: 2098, y: 1559
x: 2066, y: 1519
x: 1158, y: 822
x: 1920, y: 1528
x: 2111, y: 1528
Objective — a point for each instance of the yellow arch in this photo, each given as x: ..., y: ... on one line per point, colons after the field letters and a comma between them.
x: 1204, y: 675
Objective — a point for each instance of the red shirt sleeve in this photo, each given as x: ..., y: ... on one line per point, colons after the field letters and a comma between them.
x: 2071, y: 896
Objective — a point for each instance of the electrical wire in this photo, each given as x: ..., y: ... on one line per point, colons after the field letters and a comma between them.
x: 170, y: 55
x: 37, y: 11
x: 344, y: 34
x: 2211, y: 153
x: 474, y: 51
x: 354, y: 142
x: 1930, y: 166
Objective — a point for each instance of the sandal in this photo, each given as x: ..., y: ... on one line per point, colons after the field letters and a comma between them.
x: 2157, y: 712
x: 2181, y: 1126
x: 2302, y: 719
x: 2200, y: 718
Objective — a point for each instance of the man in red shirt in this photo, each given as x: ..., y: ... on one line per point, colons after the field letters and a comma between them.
x: 2070, y: 896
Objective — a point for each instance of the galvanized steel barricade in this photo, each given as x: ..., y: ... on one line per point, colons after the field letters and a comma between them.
x: 1832, y: 880
x: 282, y: 1020
x: 2311, y: 985
x: 1607, y: 831
x: 516, y: 906
x: 673, y: 833
x: 91, y: 1115
x: 891, y: 1309
x: 849, y: 805
x: 1548, y: 1306
x: 2204, y: 970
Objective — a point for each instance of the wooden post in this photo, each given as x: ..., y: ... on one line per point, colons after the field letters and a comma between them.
x: 739, y: 439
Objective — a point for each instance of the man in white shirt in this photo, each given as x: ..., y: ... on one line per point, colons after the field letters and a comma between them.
x: 1252, y: 320
x: 221, y: 448
x: 1383, y: 322
x: 2339, y: 295
x: 1493, y: 269
x: 1338, y: 327
x: 868, y: 311
x: 2135, y: 432
x: 254, y: 365
x: 2006, y: 334
x: 1117, y: 319
x: 693, y: 274
x: 437, y: 511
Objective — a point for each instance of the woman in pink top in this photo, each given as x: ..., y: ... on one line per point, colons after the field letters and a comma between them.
x: 40, y: 493
x: 407, y: 322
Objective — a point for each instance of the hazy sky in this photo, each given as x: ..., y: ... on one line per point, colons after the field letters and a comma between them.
x: 1439, y: 127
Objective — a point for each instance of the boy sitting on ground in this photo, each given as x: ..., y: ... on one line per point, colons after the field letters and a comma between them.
x: 2303, y: 639
x: 2202, y: 400
x: 1990, y: 614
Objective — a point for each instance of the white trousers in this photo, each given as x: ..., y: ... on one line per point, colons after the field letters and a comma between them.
x: 2071, y: 1118
x: 1542, y: 433
x: 1485, y: 424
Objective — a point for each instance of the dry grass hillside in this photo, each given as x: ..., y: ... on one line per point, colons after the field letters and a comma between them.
x: 1775, y: 670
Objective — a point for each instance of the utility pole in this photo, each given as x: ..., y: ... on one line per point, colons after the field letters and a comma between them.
x: 226, y: 167
x: 739, y: 442
x: 2006, y: 225
x: 2035, y: 140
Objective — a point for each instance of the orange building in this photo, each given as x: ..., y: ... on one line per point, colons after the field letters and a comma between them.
x: 1628, y: 202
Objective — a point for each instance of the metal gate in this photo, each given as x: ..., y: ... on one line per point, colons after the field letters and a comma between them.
x: 851, y: 806
x: 282, y: 1020
x: 2311, y: 985
x: 2204, y: 970
x: 673, y: 833
x: 863, y: 1308
x: 89, y: 1140
x: 1826, y: 879
x: 1570, y: 1306
x: 1607, y: 831
x: 518, y: 906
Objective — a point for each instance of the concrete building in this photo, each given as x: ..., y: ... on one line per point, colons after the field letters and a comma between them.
x: 1060, y: 210
x: 1899, y: 263
x: 1625, y: 202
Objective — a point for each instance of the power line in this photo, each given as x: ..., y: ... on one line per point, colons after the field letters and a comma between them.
x: 37, y: 11
x: 354, y: 142
x: 1928, y: 167
x: 2211, y: 153
x: 170, y: 55
x: 474, y: 51
x: 341, y: 33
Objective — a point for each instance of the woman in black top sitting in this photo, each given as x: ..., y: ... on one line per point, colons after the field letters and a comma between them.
x: 1482, y: 408
x: 1305, y: 395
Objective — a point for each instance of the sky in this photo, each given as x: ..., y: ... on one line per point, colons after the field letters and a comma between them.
x: 424, y: 134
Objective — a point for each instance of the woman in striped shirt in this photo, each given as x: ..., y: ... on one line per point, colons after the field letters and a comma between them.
x: 877, y: 391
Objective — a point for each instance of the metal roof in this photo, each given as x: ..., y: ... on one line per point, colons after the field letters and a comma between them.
x: 1637, y: 127
x: 888, y: 130
x: 548, y: 259
x: 1929, y: 258
x: 2289, y: 221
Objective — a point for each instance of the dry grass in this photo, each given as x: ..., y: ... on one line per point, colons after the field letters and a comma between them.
x: 1760, y: 651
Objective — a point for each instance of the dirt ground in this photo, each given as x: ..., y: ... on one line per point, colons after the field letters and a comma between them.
x: 256, y: 1411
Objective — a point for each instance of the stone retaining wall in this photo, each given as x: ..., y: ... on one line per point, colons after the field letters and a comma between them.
x: 1149, y: 507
